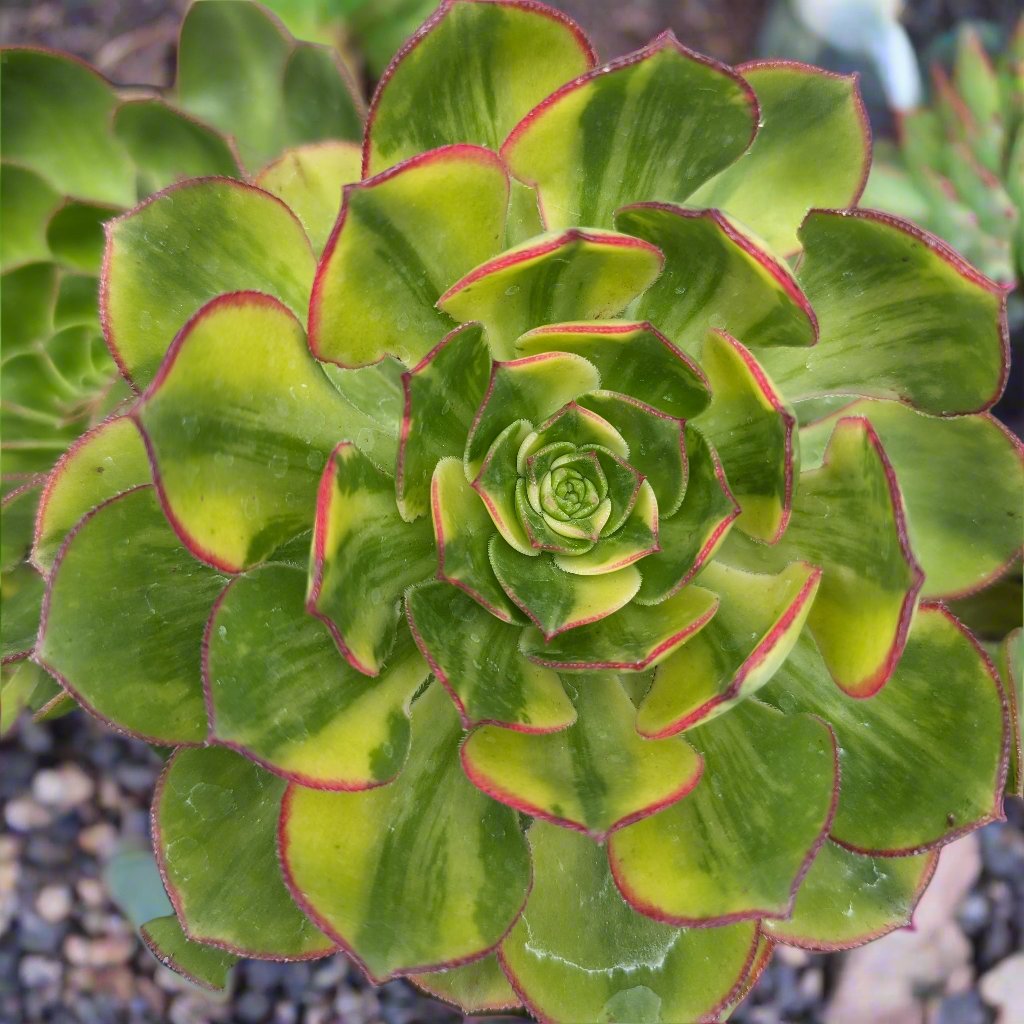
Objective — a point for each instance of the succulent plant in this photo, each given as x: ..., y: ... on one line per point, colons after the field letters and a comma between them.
x: 959, y: 166
x: 78, y: 150
x: 539, y: 567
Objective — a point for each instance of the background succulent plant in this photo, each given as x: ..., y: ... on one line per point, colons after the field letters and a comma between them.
x: 539, y: 578
x: 249, y: 101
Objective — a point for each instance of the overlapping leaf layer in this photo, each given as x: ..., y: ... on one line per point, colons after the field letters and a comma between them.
x: 524, y: 620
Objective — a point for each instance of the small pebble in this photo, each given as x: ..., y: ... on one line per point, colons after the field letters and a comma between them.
x: 23, y: 814
x: 100, y: 840
x: 39, y: 971
x: 54, y: 903
x: 252, y: 1007
x: 63, y: 787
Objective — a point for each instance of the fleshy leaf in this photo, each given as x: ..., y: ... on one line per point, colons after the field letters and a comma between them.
x: 901, y: 316
x: 634, y: 357
x: 497, y: 482
x: 74, y: 234
x: 361, y: 545
x: 17, y: 516
x: 757, y: 623
x: 691, y: 536
x: 657, y: 122
x: 632, y: 640
x: 267, y: 423
x: 479, y: 663
x: 462, y: 532
x: 430, y: 96
x: 532, y: 388
x: 596, y: 776
x: 813, y: 149
x: 278, y: 692
x: 401, y: 238
x: 622, y: 966
x: 751, y: 428
x: 476, y: 987
x: 962, y: 479
x: 574, y: 275
x: 27, y: 202
x: 848, y: 518
x: 123, y: 620
x: 446, y: 863
x: 106, y: 461
x: 186, y: 245
x: 716, y: 276
x: 847, y: 899
x: 23, y: 590
x: 56, y: 114
x: 214, y: 799
x: 921, y: 763
x: 556, y: 602
x: 205, y: 966
x: 739, y: 845
x: 442, y: 394
x: 27, y: 311
x: 1011, y: 668
x: 310, y: 179
x: 168, y: 146
x: 24, y: 687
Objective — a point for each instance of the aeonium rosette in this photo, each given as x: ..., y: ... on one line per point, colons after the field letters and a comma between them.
x: 540, y: 583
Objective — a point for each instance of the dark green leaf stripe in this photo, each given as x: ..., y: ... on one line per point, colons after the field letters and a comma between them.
x: 401, y: 239
x: 622, y: 966
x: 739, y: 845
x: 429, y: 851
x: 214, y: 799
x: 921, y: 763
x: 468, y: 75
x: 632, y: 130
x: 237, y: 445
x: 360, y: 541
x: 555, y: 278
x: 813, y: 149
x: 278, y: 692
x: 130, y: 652
x: 901, y: 314
x: 205, y: 966
x: 479, y: 663
x: 186, y: 245
x: 717, y: 276
x: 596, y: 776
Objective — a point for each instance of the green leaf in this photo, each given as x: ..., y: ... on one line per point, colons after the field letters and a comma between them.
x: 234, y: 484
x: 126, y: 607
x: 716, y: 276
x: 26, y: 203
x: 690, y: 537
x: 18, y: 516
x: 429, y: 851
x: 462, y: 532
x: 813, y: 149
x: 596, y: 776
x: 133, y: 879
x: 187, y: 245
x: 901, y: 316
x: 56, y: 115
x: 1011, y: 668
x: 632, y: 640
x: 757, y: 624
x: 963, y: 483
x: 479, y: 663
x: 634, y: 357
x: 921, y: 763
x: 656, y: 123
x: 401, y: 239
x: 106, y: 461
x: 532, y: 388
x: 556, y: 602
x: 360, y: 541
x: 751, y: 428
x: 205, y: 966
x: 477, y: 987
x: 22, y: 592
x: 575, y: 275
x: 762, y: 810
x: 468, y: 75
x: 848, y: 518
x: 27, y: 310
x: 241, y: 72
x: 292, y: 704
x: 497, y: 484
x: 76, y: 303
x: 24, y: 687
x: 847, y: 900
x: 214, y: 799
x: 620, y: 966
x: 310, y: 179
x: 442, y: 394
